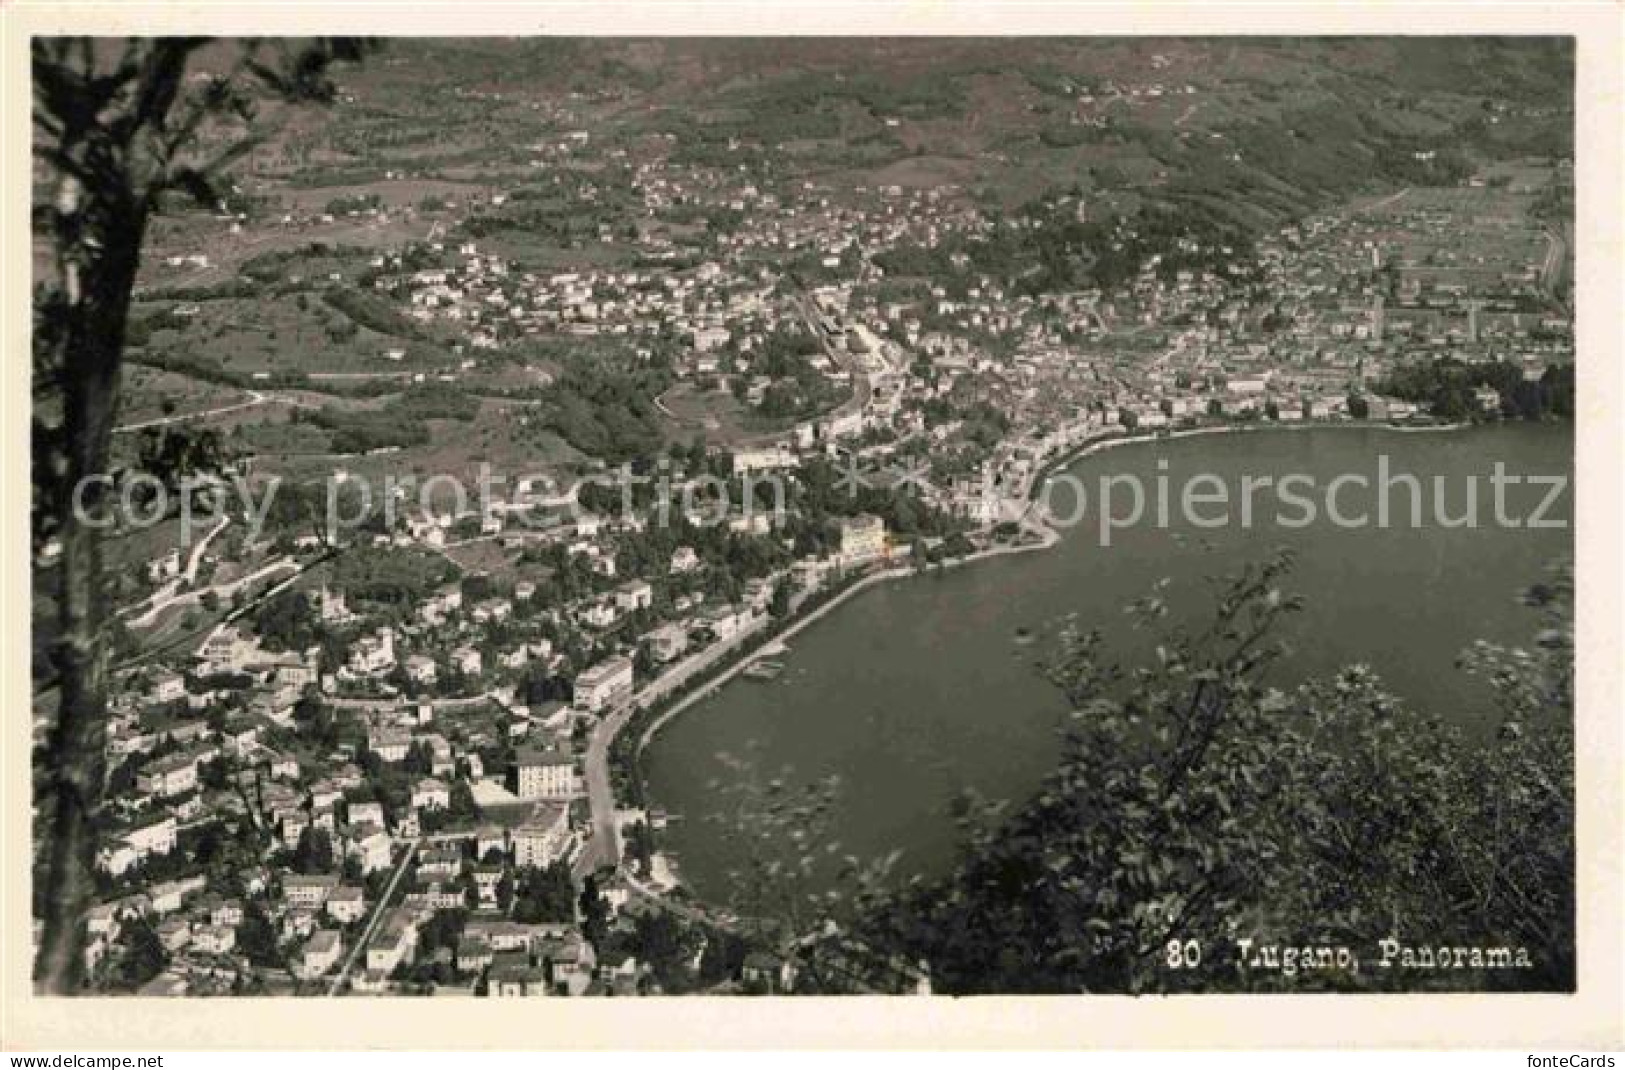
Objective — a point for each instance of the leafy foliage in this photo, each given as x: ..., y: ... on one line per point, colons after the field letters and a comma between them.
x: 374, y: 313
x: 389, y: 576
x: 605, y: 408
x: 120, y: 129
x: 544, y: 895
x: 1446, y: 386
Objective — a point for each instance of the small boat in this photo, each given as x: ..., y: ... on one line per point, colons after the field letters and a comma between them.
x: 764, y: 670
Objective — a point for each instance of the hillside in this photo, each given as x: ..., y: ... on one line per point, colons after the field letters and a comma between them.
x: 1270, y: 127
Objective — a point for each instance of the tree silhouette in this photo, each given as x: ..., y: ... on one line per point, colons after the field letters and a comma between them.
x: 120, y: 126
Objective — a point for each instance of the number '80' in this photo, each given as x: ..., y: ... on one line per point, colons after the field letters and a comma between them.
x: 1184, y: 954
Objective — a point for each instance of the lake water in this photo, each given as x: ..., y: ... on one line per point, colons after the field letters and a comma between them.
x: 920, y: 688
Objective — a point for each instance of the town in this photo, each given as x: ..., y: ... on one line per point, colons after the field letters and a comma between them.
x: 401, y: 755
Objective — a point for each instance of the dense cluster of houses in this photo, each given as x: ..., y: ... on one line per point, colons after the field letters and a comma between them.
x: 340, y: 883
x: 345, y: 876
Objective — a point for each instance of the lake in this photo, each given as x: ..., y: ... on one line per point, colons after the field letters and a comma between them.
x: 920, y: 688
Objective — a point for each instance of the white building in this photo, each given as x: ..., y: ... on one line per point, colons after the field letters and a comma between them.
x: 373, y: 654
x: 544, y: 774
x: 863, y: 538
x: 390, y: 744
x: 706, y: 339
x: 768, y: 459
x: 321, y: 953
x: 168, y: 687
x: 420, y: 668
x: 214, y: 939
x: 369, y: 812
x: 543, y: 839
x: 431, y: 795
x: 370, y: 845
x: 309, y: 891
x: 390, y: 949
x: 724, y: 622
x: 634, y: 595
x: 175, y: 774
x: 223, y: 651
x: 605, y: 684
x: 668, y: 641
x: 155, y: 837
x: 346, y: 904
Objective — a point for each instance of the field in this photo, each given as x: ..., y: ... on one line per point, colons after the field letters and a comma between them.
x: 154, y: 394
x: 1488, y: 229
x: 504, y: 436
x: 282, y: 334
x: 494, y: 557
x: 391, y: 193
x: 195, y: 233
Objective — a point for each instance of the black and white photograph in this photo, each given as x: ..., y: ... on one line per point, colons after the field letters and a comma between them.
x: 910, y: 516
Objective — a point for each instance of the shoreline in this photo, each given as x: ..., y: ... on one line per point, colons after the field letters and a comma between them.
x: 1031, y: 521
x: 775, y: 645
x: 1101, y: 444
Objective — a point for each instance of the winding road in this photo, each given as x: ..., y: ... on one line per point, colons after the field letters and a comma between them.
x: 165, y: 595
x: 222, y: 590
x: 255, y: 397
